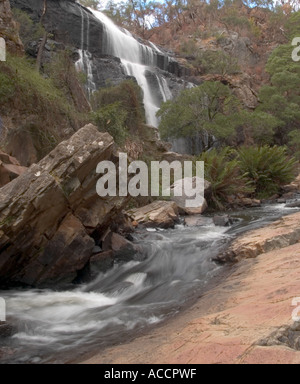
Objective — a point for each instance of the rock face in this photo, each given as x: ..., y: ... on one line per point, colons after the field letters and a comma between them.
x: 9, y: 169
x: 48, y: 214
x: 68, y: 22
x: 162, y: 214
x: 8, y: 28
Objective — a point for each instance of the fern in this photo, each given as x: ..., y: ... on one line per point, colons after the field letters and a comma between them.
x: 222, y: 170
x: 266, y: 168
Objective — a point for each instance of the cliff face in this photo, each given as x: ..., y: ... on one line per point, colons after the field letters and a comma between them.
x: 76, y: 26
x: 8, y: 28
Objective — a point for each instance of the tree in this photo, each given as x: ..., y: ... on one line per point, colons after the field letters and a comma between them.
x: 217, y: 62
x: 205, y: 111
x: 282, y: 97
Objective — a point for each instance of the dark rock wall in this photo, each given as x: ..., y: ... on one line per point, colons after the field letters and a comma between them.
x: 64, y: 19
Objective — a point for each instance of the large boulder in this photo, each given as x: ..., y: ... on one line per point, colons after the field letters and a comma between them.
x: 49, y: 214
x: 161, y: 214
x: 122, y: 249
x: 179, y: 195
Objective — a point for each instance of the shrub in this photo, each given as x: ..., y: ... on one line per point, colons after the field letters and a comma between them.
x: 217, y: 62
x: 128, y: 97
x: 266, y: 168
x: 112, y: 119
x: 222, y: 170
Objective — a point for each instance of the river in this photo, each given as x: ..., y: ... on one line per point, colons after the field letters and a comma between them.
x: 173, y: 267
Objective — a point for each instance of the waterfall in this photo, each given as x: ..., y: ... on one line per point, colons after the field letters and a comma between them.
x: 85, y: 62
x: 138, y: 61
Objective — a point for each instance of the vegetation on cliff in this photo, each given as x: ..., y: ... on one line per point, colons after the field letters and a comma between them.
x: 50, y: 104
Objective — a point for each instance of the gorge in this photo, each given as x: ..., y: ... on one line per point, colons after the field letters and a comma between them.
x: 87, y: 277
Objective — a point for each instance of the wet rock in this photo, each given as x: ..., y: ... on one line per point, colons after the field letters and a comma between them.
x: 292, y: 187
x: 249, y: 203
x: 101, y: 262
x: 122, y: 248
x: 223, y: 221
x: 296, y: 204
x: 96, y: 250
x: 162, y: 214
x: 6, y: 329
x: 289, y: 196
x: 197, y: 221
x: 281, y: 201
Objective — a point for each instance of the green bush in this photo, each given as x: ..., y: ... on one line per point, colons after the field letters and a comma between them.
x: 222, y: 170
x: 266, y: 168
x: 112, y: 119
x: 128, y: 96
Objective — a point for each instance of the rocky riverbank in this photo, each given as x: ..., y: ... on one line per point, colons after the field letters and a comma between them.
x: 245, y: 318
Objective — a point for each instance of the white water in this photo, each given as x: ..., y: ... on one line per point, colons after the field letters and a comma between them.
x: 85, y: 63
x: 138, y: 60
x: 173, y: 267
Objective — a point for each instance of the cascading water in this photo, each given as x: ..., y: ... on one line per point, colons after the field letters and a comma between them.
x: 84, y: 63
x: 139, y: 61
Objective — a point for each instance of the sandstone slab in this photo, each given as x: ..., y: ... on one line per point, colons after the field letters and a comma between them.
x: 282, y: 233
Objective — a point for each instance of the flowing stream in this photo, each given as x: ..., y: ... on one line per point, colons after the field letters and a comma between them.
x: 172, y: 268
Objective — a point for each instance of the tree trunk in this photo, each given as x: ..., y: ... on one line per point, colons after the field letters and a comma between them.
x: 40, y: 52
x: 44, y: 41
